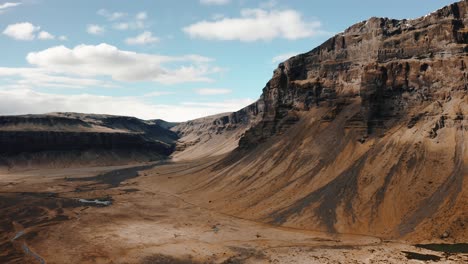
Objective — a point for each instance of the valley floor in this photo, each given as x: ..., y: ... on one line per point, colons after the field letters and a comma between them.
x: 74, y: 216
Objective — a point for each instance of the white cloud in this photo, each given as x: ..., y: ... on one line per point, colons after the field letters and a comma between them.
x: 27, y: 31
x: 142, y: 39
x: 79, y: 66
x: 26, y: 101
x: 215, y: 2
x: 21, y: 31
x: 157, y: 94
x: 122, y: 26
x: 8, y: 5
x: 44, y: 35
x: 134, y: 25
x: 211, y: 91
x: 254, y: 25
x: 283, y: 57
x: 138, y: 22
x: 107, y: 60
x: 34, y: 77
x: 188, y: 74
x: 95, y: 29
x: 111, y: 16
x: 63, y: 38
x: 141, y: 16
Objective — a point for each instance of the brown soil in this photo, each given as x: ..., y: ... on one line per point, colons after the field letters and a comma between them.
x: 152, y: 223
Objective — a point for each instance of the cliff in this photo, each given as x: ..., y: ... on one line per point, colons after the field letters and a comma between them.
x: 64, y: 139
x: 390, y: 65
x: 364, y: 134
x: 214, y: 135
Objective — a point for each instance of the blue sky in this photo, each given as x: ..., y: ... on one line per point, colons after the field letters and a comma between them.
x: 175, y: 60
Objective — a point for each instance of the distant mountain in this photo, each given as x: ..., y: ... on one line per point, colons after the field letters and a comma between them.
x: 165, y: 124
x: 66, y: 139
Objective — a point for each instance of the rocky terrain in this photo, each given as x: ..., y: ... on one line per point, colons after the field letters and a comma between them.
x: 67, y: 139
x: 214, y: 135
x: 364, y: 134
x: 356, y: 152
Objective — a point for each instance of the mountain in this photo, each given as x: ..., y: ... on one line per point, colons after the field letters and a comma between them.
x: 213, y: 135
x: 68, y: 139
x: 364, y: 134
x: 355, y: 152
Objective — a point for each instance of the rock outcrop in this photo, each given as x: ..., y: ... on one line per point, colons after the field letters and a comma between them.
x: 391, y: 65
x: 364, y: 134
x: 215, y: 135
x: 64, y: 139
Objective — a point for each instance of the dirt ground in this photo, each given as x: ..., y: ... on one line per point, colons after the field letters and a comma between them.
x: 137, y: 218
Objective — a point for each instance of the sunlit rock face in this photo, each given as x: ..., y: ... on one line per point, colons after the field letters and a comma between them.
x: 391, y: 65
x: 364, y: 134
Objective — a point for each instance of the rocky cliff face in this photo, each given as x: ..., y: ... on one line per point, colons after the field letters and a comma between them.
x: 62, y: 139
x: 17, y: 142
x: 391, y: 65
x: 364, y: 134
x: 215, y: 135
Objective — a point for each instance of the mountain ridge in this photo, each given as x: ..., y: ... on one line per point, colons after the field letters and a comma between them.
x: 345, y: 138
x: 74, y: 139
x: 363, y: 134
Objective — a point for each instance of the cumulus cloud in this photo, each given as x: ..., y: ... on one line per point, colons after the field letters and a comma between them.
x: 256, y: 24
x: 27, y: 31
x: 283, y: 57
x: 215, y: 2
x: 8, y: 5
x: 44, y: 35
x: 211, y: 91
x: 142, y: 39
x: 87, y: 65
x: 120, y: 65
x: 26, y: 101
x: 21, y: 31
x: 95, y: 29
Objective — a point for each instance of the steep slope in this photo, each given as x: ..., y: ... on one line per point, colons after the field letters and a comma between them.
x: 364, y: 134
x: 214, y: 135
x: 64, y: 139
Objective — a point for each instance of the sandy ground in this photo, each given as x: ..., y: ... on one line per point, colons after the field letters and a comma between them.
x: 43, y: 221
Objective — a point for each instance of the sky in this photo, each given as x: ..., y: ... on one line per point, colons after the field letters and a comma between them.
x: 174, y: 60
